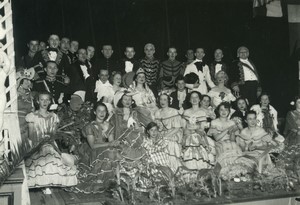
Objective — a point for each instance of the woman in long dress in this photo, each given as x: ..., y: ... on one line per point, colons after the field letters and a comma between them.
x: 205, y: 106
x: 292, y: 125
x: 98, y: 171
x: 45, y: 167
x: 197, y: 152
x: 241, y: 110
x: 170, y: 127
x: 228, y: 153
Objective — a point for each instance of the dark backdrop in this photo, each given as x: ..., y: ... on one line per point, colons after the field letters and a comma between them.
x: 181, y: 23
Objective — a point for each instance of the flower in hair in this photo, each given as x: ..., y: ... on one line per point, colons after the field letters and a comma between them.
x: 292, y: 103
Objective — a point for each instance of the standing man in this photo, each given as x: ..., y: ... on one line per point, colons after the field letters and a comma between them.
x: 170, y: 70
x: 202, y: 71
x: 27, y: 60
x: 151, y: 67
x: 52, y: 53
x: 90, y: 55
x: 65, y: 46
x: 217, y: 65
x: 189, y: 56
x: 72, y: 54
x: 107, y: 62
x: 129, y: 63
x: 244, y: 77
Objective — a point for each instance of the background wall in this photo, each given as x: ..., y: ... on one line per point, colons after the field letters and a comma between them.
x: 181, y: 23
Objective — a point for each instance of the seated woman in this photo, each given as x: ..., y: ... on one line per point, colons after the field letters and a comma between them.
x: 98, y: 163
x: 155, y: 145
x: 143, y: 95
x: 205, y: 106
x: 241, y: 110
x: 256, y: 142
x: 228, y: 153
x: 45, y: 167
x: 292, y: 126
x: 197, y: 152
x: 266, y: 114
x: 170, y: 128
x: 129, y: 121
x: 221, y: 93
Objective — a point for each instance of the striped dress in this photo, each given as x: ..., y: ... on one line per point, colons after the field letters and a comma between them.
x: 45, y: 167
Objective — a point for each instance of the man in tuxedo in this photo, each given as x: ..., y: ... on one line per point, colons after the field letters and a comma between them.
x: 81, y: 76
x: 129, y: 63
x: 244, y: 77
x: 202, y: 71
x: 217, y: 65
x: 72, y: 54
x: 179, y: 97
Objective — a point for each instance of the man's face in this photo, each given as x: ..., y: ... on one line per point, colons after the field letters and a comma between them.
x: 218, y: 55
x: 190, y: 54
x: 172, y: 53
x: 74, y: 46
x: 51, y: 69
x: 107, y: 51
x: 180, y: 85
x: 241, y: 104
x: 90, y: 52
x: 33, y: 46
x: 82, y: 56
x: 103, y: 76
x: 149, y: 51
x: 53, y: 41
x: 243, y: 53
x: 199, y: 53
x: 65, y: 44
x: 129, y: 52
x: 251, y: 120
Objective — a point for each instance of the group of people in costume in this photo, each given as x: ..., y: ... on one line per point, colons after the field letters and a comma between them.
x: 100, y: 122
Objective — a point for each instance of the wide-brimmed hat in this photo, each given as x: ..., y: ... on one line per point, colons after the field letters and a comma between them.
x: 25, y: 74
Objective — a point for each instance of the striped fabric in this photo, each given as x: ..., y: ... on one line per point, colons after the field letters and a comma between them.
x: 151, y: 68
x: 169, y: 71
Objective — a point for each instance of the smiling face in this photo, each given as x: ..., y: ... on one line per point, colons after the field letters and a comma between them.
x: 153, y: 132
x: 103, y: 75
x: 141, y: 78
x: 90, y: 52
x: 126, y: 101
x: 65, y: 44
x: 51, y: 69
x: 172, y: 53
x: 224, y: 112
x: 101, y: 113
x: 164, y: 101
x: 194, y: 99
x: 33, y: 46
x: 221, y: 77
x: 44, y: 101
x: 200, y: 53
x: 117, y: 79
x: 205, y: 102
x: 251, y: 120
x: 53, y: 41
x: 129, y: 52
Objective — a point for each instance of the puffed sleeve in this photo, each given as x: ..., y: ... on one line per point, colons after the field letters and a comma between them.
x: 30, y: 117
x: 87, y: 130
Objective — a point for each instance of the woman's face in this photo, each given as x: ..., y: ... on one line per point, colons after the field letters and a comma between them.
x: 126, y: 101
x: 141, y: 78
x: 251, y: 120
x: 44, y: 101
x: 241, y: 104
x: 163, y: 101
x: 100, y: 112
x: 298, y: 104
x: 195, y: 99
x: 264, y: 100
x: 117, y: 79
x: 221, y: 78
x: 224, y: 112
x: 205, y: 102
x: 153, y: 132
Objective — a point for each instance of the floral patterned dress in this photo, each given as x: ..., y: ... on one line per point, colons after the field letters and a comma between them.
x: 45, y: 167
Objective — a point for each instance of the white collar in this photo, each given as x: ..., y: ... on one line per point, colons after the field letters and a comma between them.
x: 197, y: 60
x: 107, y: 83
x: 244, y: 60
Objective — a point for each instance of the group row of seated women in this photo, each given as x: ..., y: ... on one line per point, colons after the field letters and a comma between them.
x: 138, y: 137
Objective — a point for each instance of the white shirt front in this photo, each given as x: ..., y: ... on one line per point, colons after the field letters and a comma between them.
x: 181, y: 97
x: 104, y: 90
x: 84, y: 71
x: 218, y: 68
x: 249, y: 75
x: 204, y: 77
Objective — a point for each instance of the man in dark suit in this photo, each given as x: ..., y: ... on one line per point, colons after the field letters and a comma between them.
x: 244, y: 77
x: 217, y: 65
x: 81, y: 77
x: 179, y: 97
